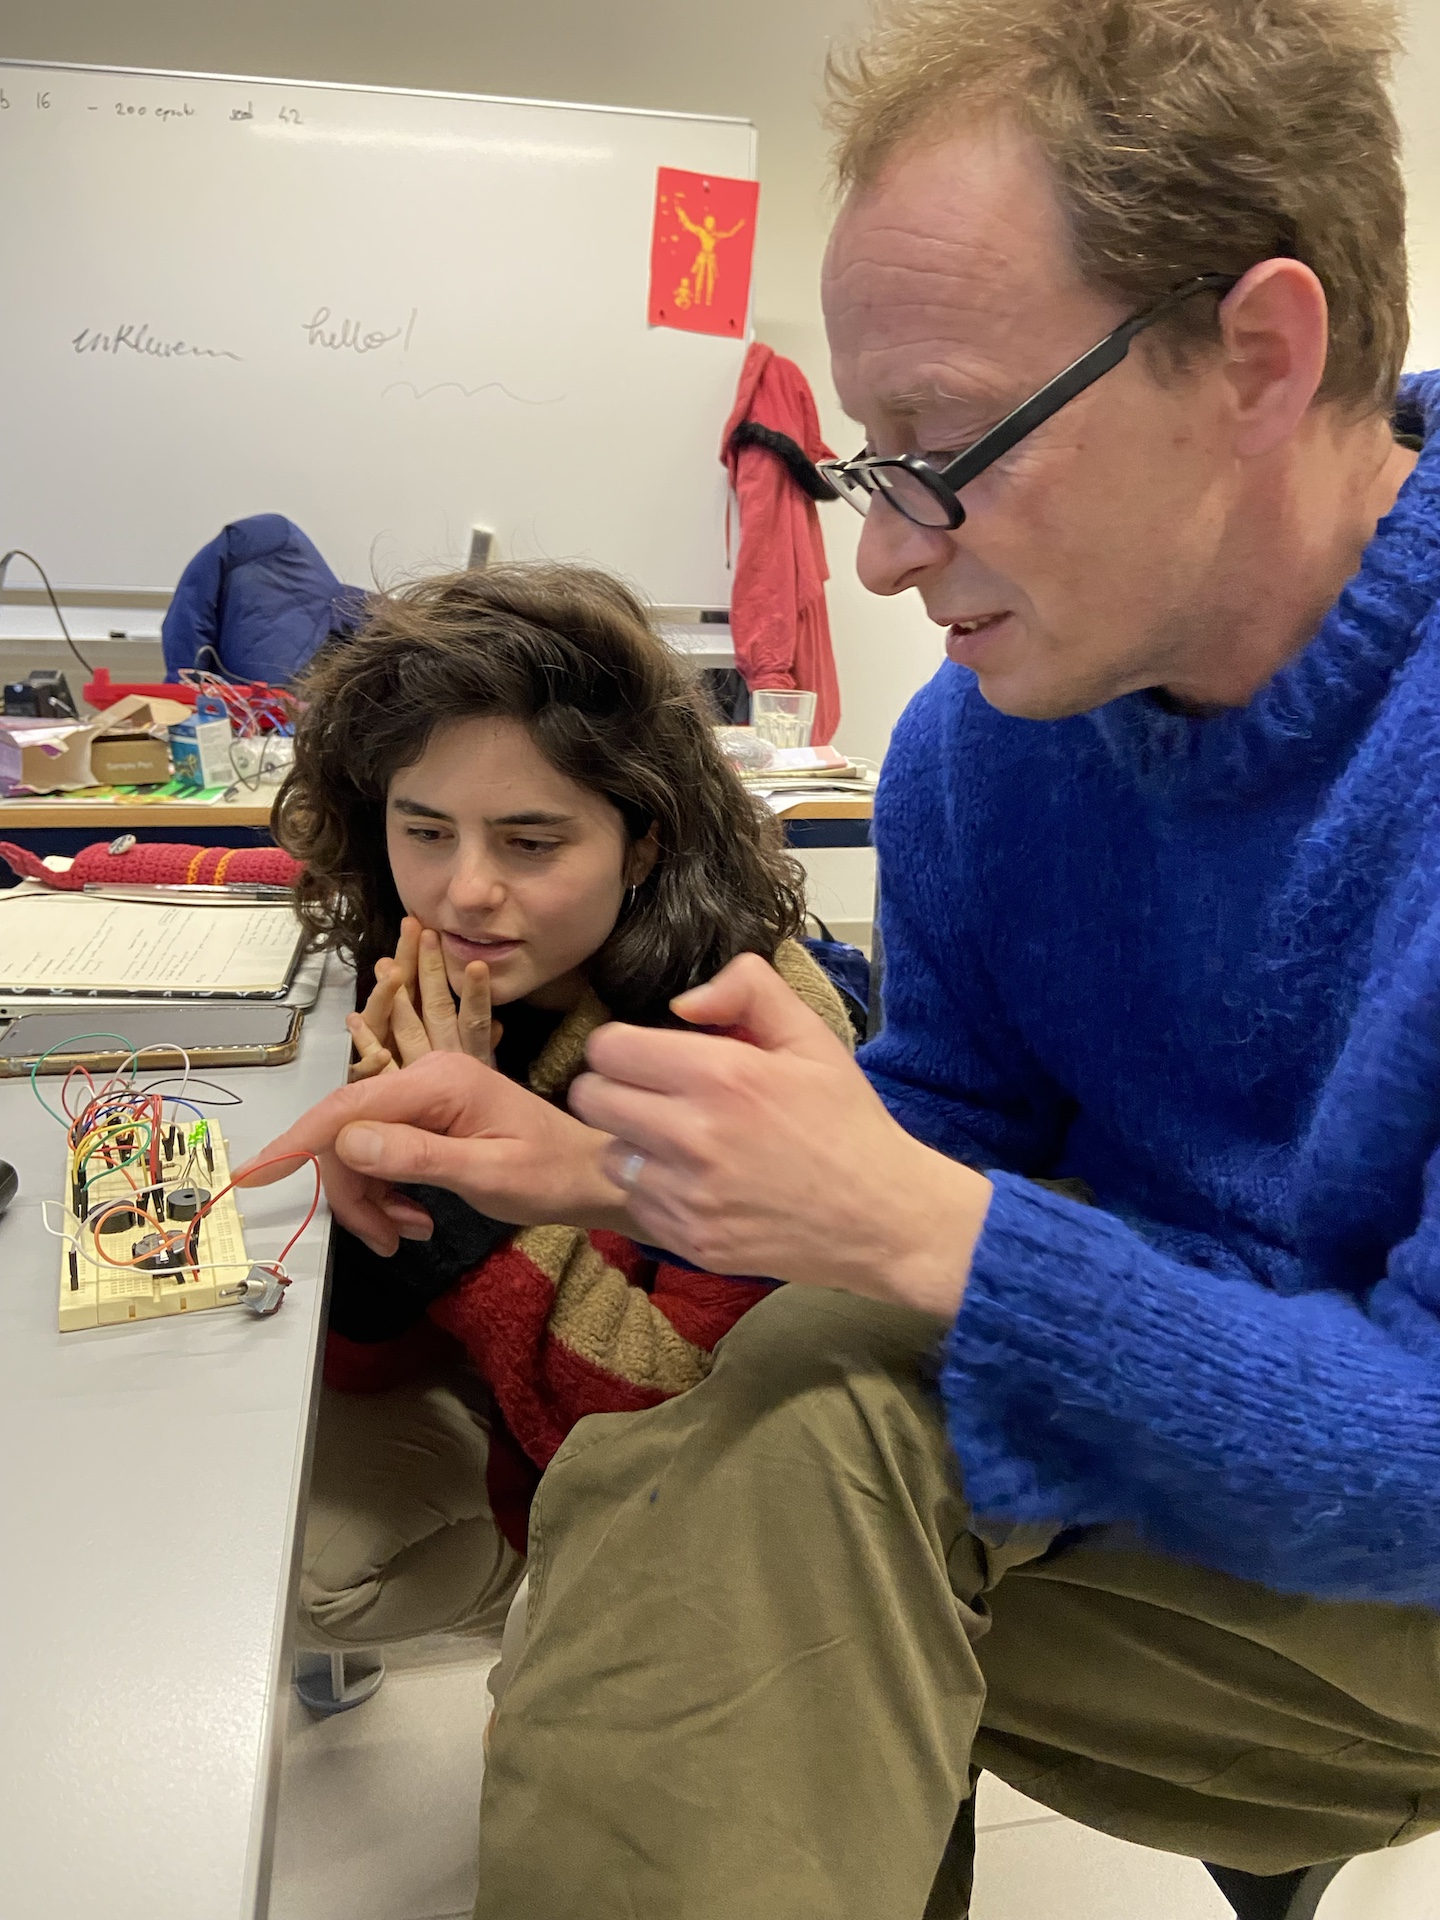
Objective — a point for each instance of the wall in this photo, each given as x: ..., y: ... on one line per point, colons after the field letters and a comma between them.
x: 1417, y: 84
x: 758, y: 58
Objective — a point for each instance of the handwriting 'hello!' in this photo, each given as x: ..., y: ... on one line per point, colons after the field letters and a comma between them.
x: 349, y: 336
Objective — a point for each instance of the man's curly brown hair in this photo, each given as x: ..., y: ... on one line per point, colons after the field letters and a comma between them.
x: 571, y: 654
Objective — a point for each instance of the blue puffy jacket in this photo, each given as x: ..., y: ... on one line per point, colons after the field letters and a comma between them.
x: 256, y: 603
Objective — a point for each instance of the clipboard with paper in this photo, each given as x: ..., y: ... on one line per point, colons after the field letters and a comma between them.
x: 84, y: 945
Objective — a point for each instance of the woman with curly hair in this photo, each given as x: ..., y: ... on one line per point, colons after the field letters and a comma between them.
x: 515, y: 820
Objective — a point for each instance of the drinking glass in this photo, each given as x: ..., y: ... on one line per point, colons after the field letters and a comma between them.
x: 784, y: 719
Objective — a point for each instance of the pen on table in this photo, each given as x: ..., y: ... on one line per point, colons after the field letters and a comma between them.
x: 243, y: 893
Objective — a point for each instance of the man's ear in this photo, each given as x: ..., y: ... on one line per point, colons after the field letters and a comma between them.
x: 1275, y: 324
x: 644, y: 852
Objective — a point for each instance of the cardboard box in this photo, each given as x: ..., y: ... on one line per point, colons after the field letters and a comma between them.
x: 129, y: 760
x: 40, y: 756
x: 55, y: 756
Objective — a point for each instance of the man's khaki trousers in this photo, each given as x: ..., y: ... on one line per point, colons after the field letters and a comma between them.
x: 767, y: 1646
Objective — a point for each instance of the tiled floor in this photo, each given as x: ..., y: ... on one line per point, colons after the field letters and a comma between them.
x: 378, y: 1816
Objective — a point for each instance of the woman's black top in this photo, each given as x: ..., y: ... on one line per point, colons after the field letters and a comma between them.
x: 373, y: 1298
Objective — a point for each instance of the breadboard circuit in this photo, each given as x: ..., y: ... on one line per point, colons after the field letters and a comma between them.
x: 111, y: 1267
x: 148, y: 1226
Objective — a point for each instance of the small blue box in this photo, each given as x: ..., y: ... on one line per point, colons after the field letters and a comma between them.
x: 200, y: 748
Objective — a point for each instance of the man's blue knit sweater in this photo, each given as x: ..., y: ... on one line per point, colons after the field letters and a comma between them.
x: 1196, y: 963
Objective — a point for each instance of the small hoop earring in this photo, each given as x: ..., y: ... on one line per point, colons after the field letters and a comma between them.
x: 632, y: 894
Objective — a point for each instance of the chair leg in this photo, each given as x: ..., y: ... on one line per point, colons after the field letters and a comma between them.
x: 330, y: 1683
x: 1275, y: 1896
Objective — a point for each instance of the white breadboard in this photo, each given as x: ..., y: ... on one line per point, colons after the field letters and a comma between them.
x: 96, y: 1292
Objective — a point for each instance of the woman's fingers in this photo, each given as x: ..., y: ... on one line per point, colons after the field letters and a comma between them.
x: 371, y: 1056
x: 474, y: 1022
x: 367, y: 1066
x: 407, y: 1029
x: 411, y: 1009
x: 390, y: 976
x: 370, y: 1061
x: 367, y: 1069
x: 376, y: 1011
x: 407, y: 954
x: 437, y: 1003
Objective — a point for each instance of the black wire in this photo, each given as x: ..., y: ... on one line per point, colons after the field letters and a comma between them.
x: 253, y: 783
x: 219, y: 671
x: 232, y: 1099
x: 19, y: 553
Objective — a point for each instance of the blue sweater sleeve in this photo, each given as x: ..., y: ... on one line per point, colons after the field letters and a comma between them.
x: 1090, y: 1379
x: 948, y: 1063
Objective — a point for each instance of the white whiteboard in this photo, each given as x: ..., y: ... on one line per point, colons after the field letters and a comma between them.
x: 390, y: 315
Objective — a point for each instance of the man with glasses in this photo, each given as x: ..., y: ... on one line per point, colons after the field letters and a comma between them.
x: 928, y: 494
x: 1096, y: 1440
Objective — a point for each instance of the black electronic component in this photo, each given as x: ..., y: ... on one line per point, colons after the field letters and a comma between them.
x: 119, y: 1220
x: 74, y: 1272
x: 209, y: 1153
x: 185, y: 1202
x: 154, y: 1255
x: 20, y: 700
x: 53, y: 698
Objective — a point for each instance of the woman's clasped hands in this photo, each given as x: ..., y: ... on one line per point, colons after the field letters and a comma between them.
x: 411, y: 1010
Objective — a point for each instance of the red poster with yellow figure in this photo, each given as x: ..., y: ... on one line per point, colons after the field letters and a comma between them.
x: 700, y: 251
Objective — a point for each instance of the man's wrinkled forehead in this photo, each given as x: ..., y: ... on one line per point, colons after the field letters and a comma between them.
x: 949, y: 276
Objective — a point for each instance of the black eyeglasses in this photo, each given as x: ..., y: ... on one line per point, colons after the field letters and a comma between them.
x: 930, y: 496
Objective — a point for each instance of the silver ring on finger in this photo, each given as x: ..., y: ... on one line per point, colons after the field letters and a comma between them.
x: 630, y: 1170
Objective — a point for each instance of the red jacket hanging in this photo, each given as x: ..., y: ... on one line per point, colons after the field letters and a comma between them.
x: 778, y: 616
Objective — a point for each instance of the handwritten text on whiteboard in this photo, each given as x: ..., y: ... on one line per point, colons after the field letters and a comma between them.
x: 133, y: 337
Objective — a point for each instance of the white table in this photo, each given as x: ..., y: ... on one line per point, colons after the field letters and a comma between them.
x: 151, y: 1478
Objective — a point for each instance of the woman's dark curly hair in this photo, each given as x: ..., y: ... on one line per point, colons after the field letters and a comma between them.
x: 571, y: 654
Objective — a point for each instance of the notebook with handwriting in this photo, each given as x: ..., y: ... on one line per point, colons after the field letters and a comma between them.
x: 76, y: 943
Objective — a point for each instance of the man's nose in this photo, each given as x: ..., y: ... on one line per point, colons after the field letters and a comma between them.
x: 895, y: 554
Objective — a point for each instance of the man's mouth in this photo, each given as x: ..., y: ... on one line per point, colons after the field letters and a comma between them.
x: 966, y: 639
